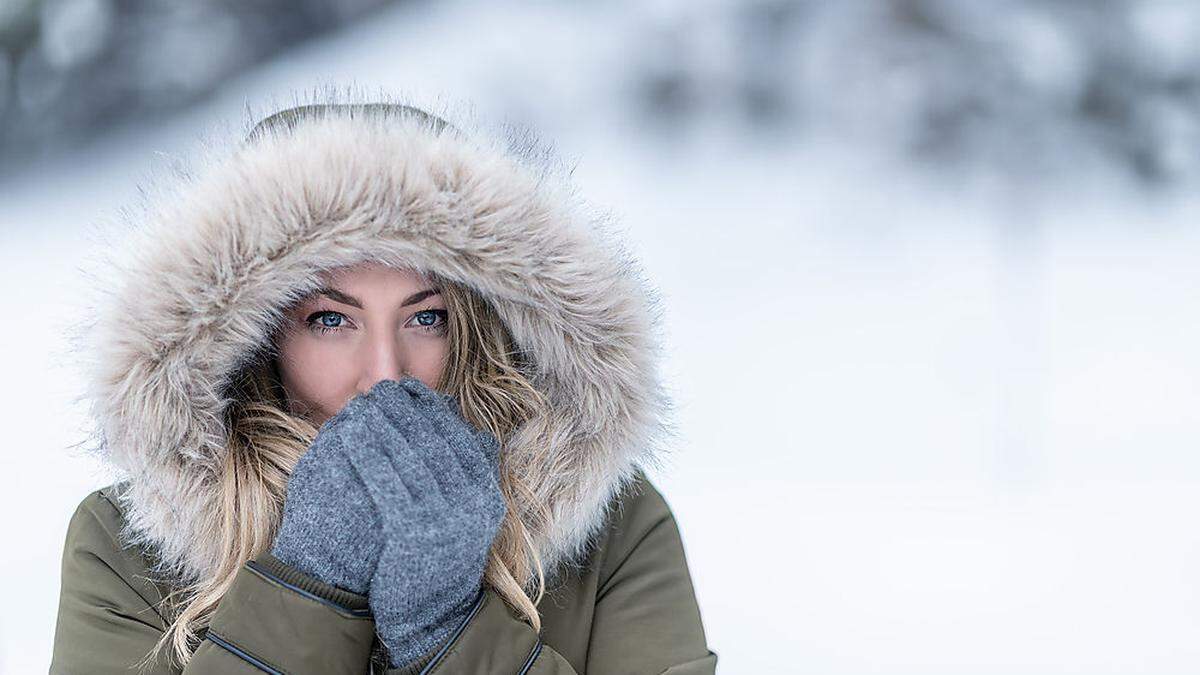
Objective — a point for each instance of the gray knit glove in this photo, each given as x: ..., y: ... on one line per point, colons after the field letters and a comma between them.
x: 398, y: 497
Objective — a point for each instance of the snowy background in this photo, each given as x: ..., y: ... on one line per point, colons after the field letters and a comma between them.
x: 929, y: 268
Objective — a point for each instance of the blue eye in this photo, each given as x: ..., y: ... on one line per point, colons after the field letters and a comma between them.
x: 427, y: 317
x: 328, y: 321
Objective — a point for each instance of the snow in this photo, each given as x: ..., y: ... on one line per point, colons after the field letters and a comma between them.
x: 927, y: 424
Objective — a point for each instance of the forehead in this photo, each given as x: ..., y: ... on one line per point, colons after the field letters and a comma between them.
x: 371, y: 284
x: 375, y: 276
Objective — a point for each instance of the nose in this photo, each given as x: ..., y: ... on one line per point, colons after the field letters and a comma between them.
x: 384, y: 357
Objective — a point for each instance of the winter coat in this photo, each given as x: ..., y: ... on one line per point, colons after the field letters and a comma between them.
x: 215, y: 255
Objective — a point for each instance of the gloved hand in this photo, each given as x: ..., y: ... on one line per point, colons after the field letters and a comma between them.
x: 399, y: 497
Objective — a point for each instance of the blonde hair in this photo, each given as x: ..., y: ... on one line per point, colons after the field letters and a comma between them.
x: 484, y: 371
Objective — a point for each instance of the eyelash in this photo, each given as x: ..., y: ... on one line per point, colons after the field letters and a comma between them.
x: 436, y: 328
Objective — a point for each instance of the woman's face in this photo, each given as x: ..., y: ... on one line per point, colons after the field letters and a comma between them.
x: 369, y: 323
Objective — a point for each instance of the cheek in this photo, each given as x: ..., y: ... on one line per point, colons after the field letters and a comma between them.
x: 425, y: 358
x: 313, y: 377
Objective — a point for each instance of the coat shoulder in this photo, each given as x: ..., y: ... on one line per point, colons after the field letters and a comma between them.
x: 638, y: 510
x: 98, y: 524
x: 95, y: 540
x: 97, y: 520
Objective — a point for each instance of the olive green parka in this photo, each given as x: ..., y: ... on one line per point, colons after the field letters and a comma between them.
x: 212, y: 259
x: 629, y: 609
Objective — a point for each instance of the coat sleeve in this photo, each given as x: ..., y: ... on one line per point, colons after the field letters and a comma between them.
x: 646, y: 616
x: 272, y: 619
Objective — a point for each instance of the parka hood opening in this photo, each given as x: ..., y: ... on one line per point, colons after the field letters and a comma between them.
x: 219, y: 248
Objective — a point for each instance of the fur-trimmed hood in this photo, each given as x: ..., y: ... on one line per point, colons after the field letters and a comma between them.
x: 220, y: 247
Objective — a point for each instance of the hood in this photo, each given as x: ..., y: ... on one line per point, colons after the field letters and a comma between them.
x: 219, y: 247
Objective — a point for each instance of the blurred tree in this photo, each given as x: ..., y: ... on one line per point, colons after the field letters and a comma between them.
x: 1018, y: 97
x: 70, y: 68
x: 1015, y: 87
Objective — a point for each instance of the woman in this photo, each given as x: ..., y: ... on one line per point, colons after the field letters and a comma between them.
x: 382, y: 394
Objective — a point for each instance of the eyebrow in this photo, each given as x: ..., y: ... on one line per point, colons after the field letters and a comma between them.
x: 345, y: 299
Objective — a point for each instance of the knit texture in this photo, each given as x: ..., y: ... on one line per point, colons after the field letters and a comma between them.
x: 397, y: 498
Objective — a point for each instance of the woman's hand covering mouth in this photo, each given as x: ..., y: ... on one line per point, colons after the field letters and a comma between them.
x: 397, y: 498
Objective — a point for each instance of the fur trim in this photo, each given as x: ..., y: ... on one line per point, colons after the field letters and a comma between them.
x: 217, y: 252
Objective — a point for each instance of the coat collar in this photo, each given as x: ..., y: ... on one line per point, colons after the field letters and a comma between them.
x: 219, y: 249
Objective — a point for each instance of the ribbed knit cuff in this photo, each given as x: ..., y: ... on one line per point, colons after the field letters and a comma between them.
x: 415, y: 667
x: 282, y: 572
